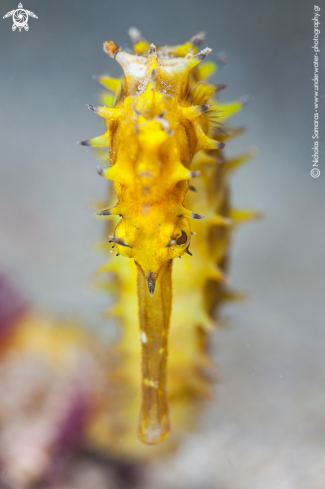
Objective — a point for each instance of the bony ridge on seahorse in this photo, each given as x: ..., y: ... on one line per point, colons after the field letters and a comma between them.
x: 161, y: 119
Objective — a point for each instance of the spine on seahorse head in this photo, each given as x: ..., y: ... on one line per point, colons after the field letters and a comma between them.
x: 163, y: 124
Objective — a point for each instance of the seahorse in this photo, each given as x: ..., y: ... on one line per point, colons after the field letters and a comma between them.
x: 164, y: 129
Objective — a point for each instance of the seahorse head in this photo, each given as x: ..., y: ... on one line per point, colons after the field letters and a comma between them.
x: 153, y: 184
x: 152, y: 140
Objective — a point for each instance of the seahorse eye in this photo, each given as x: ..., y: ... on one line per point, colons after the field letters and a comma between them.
x: 182, y: 239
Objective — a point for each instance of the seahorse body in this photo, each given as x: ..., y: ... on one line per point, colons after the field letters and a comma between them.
x: 165, y: 129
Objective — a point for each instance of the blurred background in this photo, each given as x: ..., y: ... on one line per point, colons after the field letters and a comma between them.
x: 265, y: 427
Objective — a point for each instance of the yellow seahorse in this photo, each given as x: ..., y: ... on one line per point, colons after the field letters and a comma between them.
x: 165, y: 129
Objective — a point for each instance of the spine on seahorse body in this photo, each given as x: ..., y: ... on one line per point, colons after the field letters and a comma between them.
x: 165, y: 129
